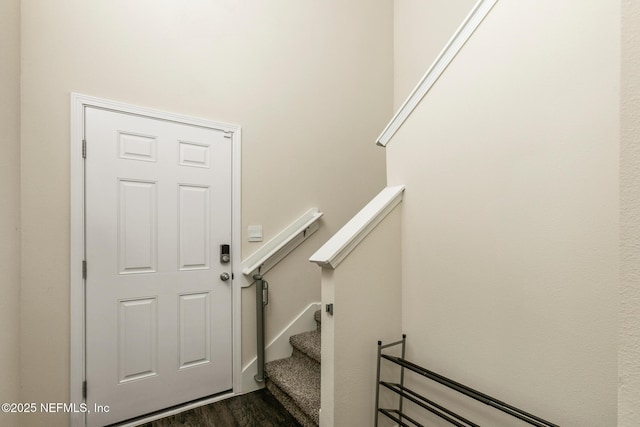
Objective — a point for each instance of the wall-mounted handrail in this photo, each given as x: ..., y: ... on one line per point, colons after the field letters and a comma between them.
x: 281, y: 245
x: 353, y: 232
x: 264, y: 259
x: 460, y: 37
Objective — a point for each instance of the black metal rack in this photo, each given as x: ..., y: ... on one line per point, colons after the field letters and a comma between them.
x: 452, y: 417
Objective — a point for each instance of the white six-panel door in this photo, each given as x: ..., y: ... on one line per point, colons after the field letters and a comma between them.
x: 158, y: 314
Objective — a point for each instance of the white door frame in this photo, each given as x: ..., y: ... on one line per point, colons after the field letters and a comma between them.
x: 77, y: 235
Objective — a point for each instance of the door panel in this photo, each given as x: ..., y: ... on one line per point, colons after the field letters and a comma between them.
x: 158, y: 317
x: 195, y: 338
x: 194, y: 227
x: 137, y: 226
x: 137, y: 339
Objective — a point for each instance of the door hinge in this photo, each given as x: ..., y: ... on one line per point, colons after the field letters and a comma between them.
x: 84, y: 389
x: 84, y: 148
x: 228, y: 134
x: 84, y: 269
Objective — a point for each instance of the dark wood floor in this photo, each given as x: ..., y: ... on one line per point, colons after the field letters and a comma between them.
x: 257, y: 409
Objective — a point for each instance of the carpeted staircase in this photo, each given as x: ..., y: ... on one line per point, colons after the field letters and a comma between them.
x: 295, y: 381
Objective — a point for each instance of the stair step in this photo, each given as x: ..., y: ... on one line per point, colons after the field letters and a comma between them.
x: 295, y: 381
x: 290, y: 405
x: 307, y: 343
x: 299, y: 378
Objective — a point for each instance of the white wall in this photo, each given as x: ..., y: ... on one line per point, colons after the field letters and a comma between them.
x: 510, y: 217
x: 366, y: 292
x: 10, y: 210
x: 629, y: 355
x: 309, y: 82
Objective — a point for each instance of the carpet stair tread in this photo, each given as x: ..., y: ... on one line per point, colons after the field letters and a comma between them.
x: 308, y: 343
x: 295, y: 381
x: 299, y: 378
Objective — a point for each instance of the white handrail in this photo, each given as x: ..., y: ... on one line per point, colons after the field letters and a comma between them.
x: 284, y: 242
x: 348, y: 237
x: 469, y: 25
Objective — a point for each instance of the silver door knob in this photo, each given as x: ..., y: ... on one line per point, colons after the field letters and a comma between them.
x: 225, y: 276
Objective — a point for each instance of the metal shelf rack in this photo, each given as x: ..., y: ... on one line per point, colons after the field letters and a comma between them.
x: 400, y: 417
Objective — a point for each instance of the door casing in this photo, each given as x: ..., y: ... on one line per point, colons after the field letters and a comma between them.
x: 77, y: 236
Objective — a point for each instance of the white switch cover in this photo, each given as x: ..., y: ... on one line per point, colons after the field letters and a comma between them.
x: 255, y: 233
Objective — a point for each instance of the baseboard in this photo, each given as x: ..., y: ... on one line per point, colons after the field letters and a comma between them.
x: 279, y: 347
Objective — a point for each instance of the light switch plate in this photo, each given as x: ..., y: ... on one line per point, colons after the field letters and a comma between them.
x: 255, y: 233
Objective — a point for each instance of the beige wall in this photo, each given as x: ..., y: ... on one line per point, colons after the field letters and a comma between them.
x: 511, y: 211
x: 10, y: 210
x: 309, y: 82
x: 629, y: 355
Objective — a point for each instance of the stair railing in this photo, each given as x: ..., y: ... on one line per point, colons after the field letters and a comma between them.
x: 264, y: 259
x: 369, y: 242
x: 336, y: 249
x: 281, y: 245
